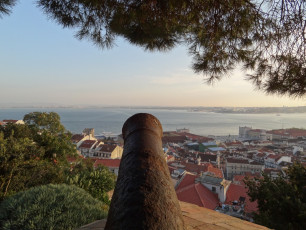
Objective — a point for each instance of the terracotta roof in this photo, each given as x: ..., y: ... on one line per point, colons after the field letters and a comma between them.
x: 272, y: 156
x: 173, y: 139
x: 235, y: 191
x: 10, y: 121
x: 237, y: 160
x: 107, y: 148
x: 217, y: 172
x: 199, y: 195
x: 112, y: 163
x: 77, y: 137
x: 87, y: 144
x: 194, y: 168
x: 275, y: 157
x: 252, y: 175
x: 198, y: 169
x: 260, y: 154
x: 233, y: 143
x: 255, y: 163
x: 187, y: 180
x: 239, y: 178
x: 198, y: 138
x: 294, y: 132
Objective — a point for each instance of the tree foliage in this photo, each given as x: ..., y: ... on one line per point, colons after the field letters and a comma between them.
x: 266, y: 37
x: 96, y: 182
x: 30, y: 156
x: 50, y: 207
x: 44, y: 121
x: 6, y: 6
x: 36, y: 154
x: 281, y: 201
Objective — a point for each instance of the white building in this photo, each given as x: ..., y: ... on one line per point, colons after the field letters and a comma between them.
x: 215, y: 184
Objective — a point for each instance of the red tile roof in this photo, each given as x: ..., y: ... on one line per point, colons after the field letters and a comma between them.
x: 111, y: 163
x: 173, y: 139
x: 198, y: 169
x: 237, y: 161
x: 187, y: 180
x: 235, y: 191
x: 199, y: 195
x: 239, y: 178
x: 294, y: 132
x: 194, y: 168
x: 197, y: 138
x: 10, y: 121
x: 107, y: 148
x: 233, y: 143
x: 272, y: 156
x: 87, y: 144
x: 77, y: 137
x: 217, y: 172
x: 260, y: 155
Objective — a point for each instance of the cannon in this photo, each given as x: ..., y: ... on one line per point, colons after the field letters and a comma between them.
x: 144, y: 196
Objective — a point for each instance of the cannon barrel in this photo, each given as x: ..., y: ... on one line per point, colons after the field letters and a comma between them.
x: 144, y: 196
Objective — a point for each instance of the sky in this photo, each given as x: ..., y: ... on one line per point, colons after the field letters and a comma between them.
x: 42, y: 63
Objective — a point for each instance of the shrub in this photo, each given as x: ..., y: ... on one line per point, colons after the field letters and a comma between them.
x: 97, y: 182
x: 50, y: 207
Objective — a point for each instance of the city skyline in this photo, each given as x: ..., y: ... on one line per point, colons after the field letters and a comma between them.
x: 42, y: 63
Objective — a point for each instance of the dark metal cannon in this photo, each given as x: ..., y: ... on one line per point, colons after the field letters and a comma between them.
x: 144, y: 197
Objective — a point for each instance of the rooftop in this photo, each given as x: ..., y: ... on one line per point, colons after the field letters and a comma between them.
x: 87, y: 144
x: 237, y: 160
x: 112, y: 163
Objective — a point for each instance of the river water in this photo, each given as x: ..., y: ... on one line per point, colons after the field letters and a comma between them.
x: 202, y: 123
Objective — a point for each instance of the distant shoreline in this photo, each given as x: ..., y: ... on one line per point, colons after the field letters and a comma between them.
x: 225, y: 110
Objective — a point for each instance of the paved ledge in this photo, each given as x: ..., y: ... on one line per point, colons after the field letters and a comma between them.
x: 198, y: 218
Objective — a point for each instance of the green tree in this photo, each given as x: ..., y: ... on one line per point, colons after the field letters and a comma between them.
x: 281, y: 201
x: 34, y: 153
x: 22, y: 165
x: 97, y: 182
x: 48, y: 131
x: 44, y: 121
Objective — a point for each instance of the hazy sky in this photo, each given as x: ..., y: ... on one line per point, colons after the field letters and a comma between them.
x: 42, y: 63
